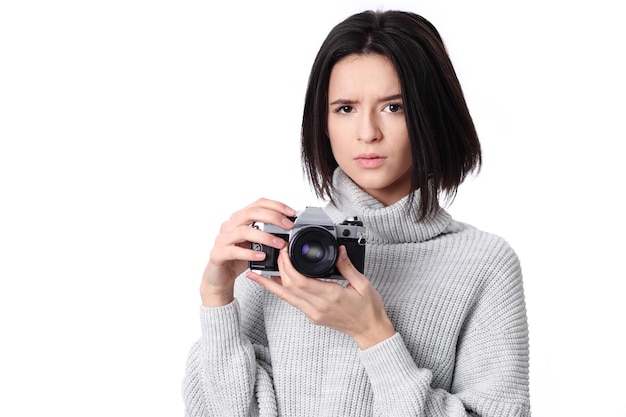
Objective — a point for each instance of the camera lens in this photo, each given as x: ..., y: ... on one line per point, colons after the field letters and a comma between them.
x: 313, y: 251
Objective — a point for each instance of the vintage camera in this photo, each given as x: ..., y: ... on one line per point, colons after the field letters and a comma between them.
x: 313, y: 245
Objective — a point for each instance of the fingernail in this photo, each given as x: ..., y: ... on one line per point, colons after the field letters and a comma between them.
x: 290, y: 211
x: 287, y: 222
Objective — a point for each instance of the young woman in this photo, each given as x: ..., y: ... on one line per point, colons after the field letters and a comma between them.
x: 435, y: 325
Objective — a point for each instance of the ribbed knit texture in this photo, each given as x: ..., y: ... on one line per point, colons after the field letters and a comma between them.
x: 453, y: 293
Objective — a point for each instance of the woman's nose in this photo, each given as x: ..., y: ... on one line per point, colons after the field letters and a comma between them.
x: 369, y: 130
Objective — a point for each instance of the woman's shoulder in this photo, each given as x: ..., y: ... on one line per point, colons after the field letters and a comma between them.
x: 469, y: 232
x: 491, y: 250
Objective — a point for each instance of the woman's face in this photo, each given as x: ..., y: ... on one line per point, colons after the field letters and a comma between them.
x: 367, y: 126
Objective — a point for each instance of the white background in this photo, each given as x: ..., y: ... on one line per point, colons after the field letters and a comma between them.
x: 131, y: 129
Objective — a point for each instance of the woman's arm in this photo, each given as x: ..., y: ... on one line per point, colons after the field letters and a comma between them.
x: 226, y: 367
x: 227, y: 374
x: 490, y: 368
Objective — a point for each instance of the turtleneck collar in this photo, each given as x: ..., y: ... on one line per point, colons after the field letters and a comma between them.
x: 396, y: 223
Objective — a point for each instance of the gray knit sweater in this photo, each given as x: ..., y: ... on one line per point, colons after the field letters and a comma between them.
x: 453, y: 293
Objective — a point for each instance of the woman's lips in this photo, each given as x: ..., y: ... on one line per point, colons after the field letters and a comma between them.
x: 370, y: 160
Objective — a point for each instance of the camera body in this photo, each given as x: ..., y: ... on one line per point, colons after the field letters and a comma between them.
x: 313, y: 245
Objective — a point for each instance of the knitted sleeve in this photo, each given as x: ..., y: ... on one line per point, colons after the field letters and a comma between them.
x: 227, y: 373
x: 491, y: 367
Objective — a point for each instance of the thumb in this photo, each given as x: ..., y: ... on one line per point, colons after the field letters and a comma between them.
x: 347, y: 270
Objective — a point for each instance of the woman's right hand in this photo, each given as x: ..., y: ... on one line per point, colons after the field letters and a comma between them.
x: 231, y: 253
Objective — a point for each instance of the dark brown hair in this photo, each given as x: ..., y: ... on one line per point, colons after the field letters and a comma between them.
x: 444, y: 143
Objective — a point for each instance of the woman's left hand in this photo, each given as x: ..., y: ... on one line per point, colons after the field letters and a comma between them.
x: 355, y: 309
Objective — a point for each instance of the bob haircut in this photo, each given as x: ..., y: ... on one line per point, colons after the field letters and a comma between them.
x: 444, y: 143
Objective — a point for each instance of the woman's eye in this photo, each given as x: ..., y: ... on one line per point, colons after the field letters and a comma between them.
x: 344, y: 109
x: 393, y: 107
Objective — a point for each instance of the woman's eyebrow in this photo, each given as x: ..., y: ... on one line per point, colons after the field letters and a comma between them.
x: 346, y: 101
x: 342, y: 101
x: 392, y: 97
